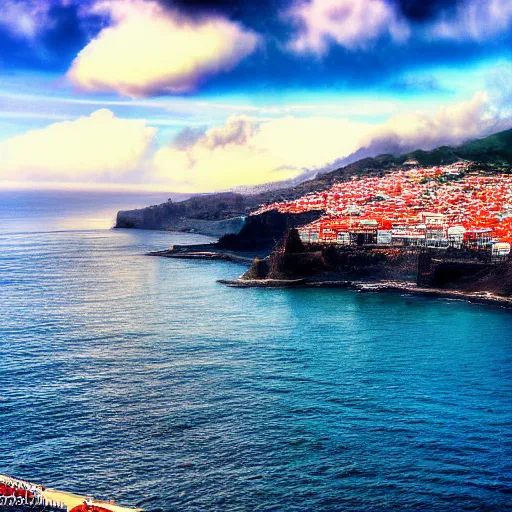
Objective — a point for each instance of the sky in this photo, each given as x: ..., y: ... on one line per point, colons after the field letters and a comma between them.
x: 205, y: 95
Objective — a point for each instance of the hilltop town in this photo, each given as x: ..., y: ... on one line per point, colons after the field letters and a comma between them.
x: 457, y: 205
x: 441, y: 229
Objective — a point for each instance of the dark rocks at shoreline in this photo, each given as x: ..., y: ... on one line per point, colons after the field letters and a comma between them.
x: 203, y: 253
x: 263, y: 283
x: 293, y: 260
x: 383, y: 269
x: 375, y: 287
x: 265, y: 230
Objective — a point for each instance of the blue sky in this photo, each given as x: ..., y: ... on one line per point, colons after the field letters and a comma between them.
x: 207, y: 95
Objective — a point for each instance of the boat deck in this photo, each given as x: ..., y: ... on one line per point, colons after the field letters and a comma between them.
x: 69, y: 499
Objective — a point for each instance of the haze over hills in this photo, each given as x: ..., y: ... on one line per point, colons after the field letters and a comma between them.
x: 492, y: 149
x: 220, y: 213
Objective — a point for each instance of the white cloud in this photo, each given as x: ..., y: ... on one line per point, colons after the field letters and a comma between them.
x: 349, y: 23
x: 25, y: 19
x: 148, y: 50
x: 222, y: 158
x: 246, y: 152
x: 476, y: 20
x: 100, y: 147
x: 356, y: 24
x: 451, y: 125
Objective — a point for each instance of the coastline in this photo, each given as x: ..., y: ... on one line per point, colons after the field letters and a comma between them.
x: 439, y: 293
x: 403, y: 287
x: 208, y: 252
x: 204, y: 255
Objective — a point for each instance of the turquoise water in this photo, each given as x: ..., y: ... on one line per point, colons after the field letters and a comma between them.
x: 143, y: 380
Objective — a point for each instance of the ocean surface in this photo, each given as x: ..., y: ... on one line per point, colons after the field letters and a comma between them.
x: 60, y: 210
x: 143, y: 380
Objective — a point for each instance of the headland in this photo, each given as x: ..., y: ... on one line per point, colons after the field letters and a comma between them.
x: 429, y: 223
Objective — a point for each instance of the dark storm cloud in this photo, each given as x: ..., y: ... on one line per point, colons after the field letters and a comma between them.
x: 263, y: 15
x: 417, y: 10
x: 425, y: 10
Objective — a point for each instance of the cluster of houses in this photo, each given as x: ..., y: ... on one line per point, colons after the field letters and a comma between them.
x: 450, y: 206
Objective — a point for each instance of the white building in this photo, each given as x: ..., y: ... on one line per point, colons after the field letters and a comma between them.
x: 501, y: 249
x: 384, y: 237
x: 456, y: 236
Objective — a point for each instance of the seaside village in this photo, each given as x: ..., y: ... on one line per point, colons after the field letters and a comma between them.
x: 438, y: 207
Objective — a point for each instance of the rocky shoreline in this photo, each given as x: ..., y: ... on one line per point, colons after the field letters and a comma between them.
x: 263, y: 283
x: 378, y: 286
x: 210, y: 252
x: 413, y: 289
x: 203, y: 255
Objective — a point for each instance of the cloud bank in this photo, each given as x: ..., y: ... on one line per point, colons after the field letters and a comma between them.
x: 451, y: 125
x: 97, y: 148
x: 357, y: 24
x: 243, y: 151
x: 149, y: 51
x: 246, y: 152
x: 350, y: 23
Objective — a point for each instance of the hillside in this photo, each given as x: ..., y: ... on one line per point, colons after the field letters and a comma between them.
x: 220, y: 213
x: 495, y: 149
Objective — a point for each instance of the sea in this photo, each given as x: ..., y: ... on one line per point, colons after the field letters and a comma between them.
x: 143, y: 380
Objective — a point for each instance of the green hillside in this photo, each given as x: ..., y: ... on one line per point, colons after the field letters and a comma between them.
x: 495, y: 149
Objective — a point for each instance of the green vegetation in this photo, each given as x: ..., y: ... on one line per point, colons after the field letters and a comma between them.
x: 495, y: 149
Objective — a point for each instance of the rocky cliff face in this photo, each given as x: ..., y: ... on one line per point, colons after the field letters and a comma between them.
x: 142, y: 219
x: 265, y: 230
x: 213, y: 215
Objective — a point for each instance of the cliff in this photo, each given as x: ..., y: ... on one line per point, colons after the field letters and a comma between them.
x: 215, y: 215
x: 265, y: 230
